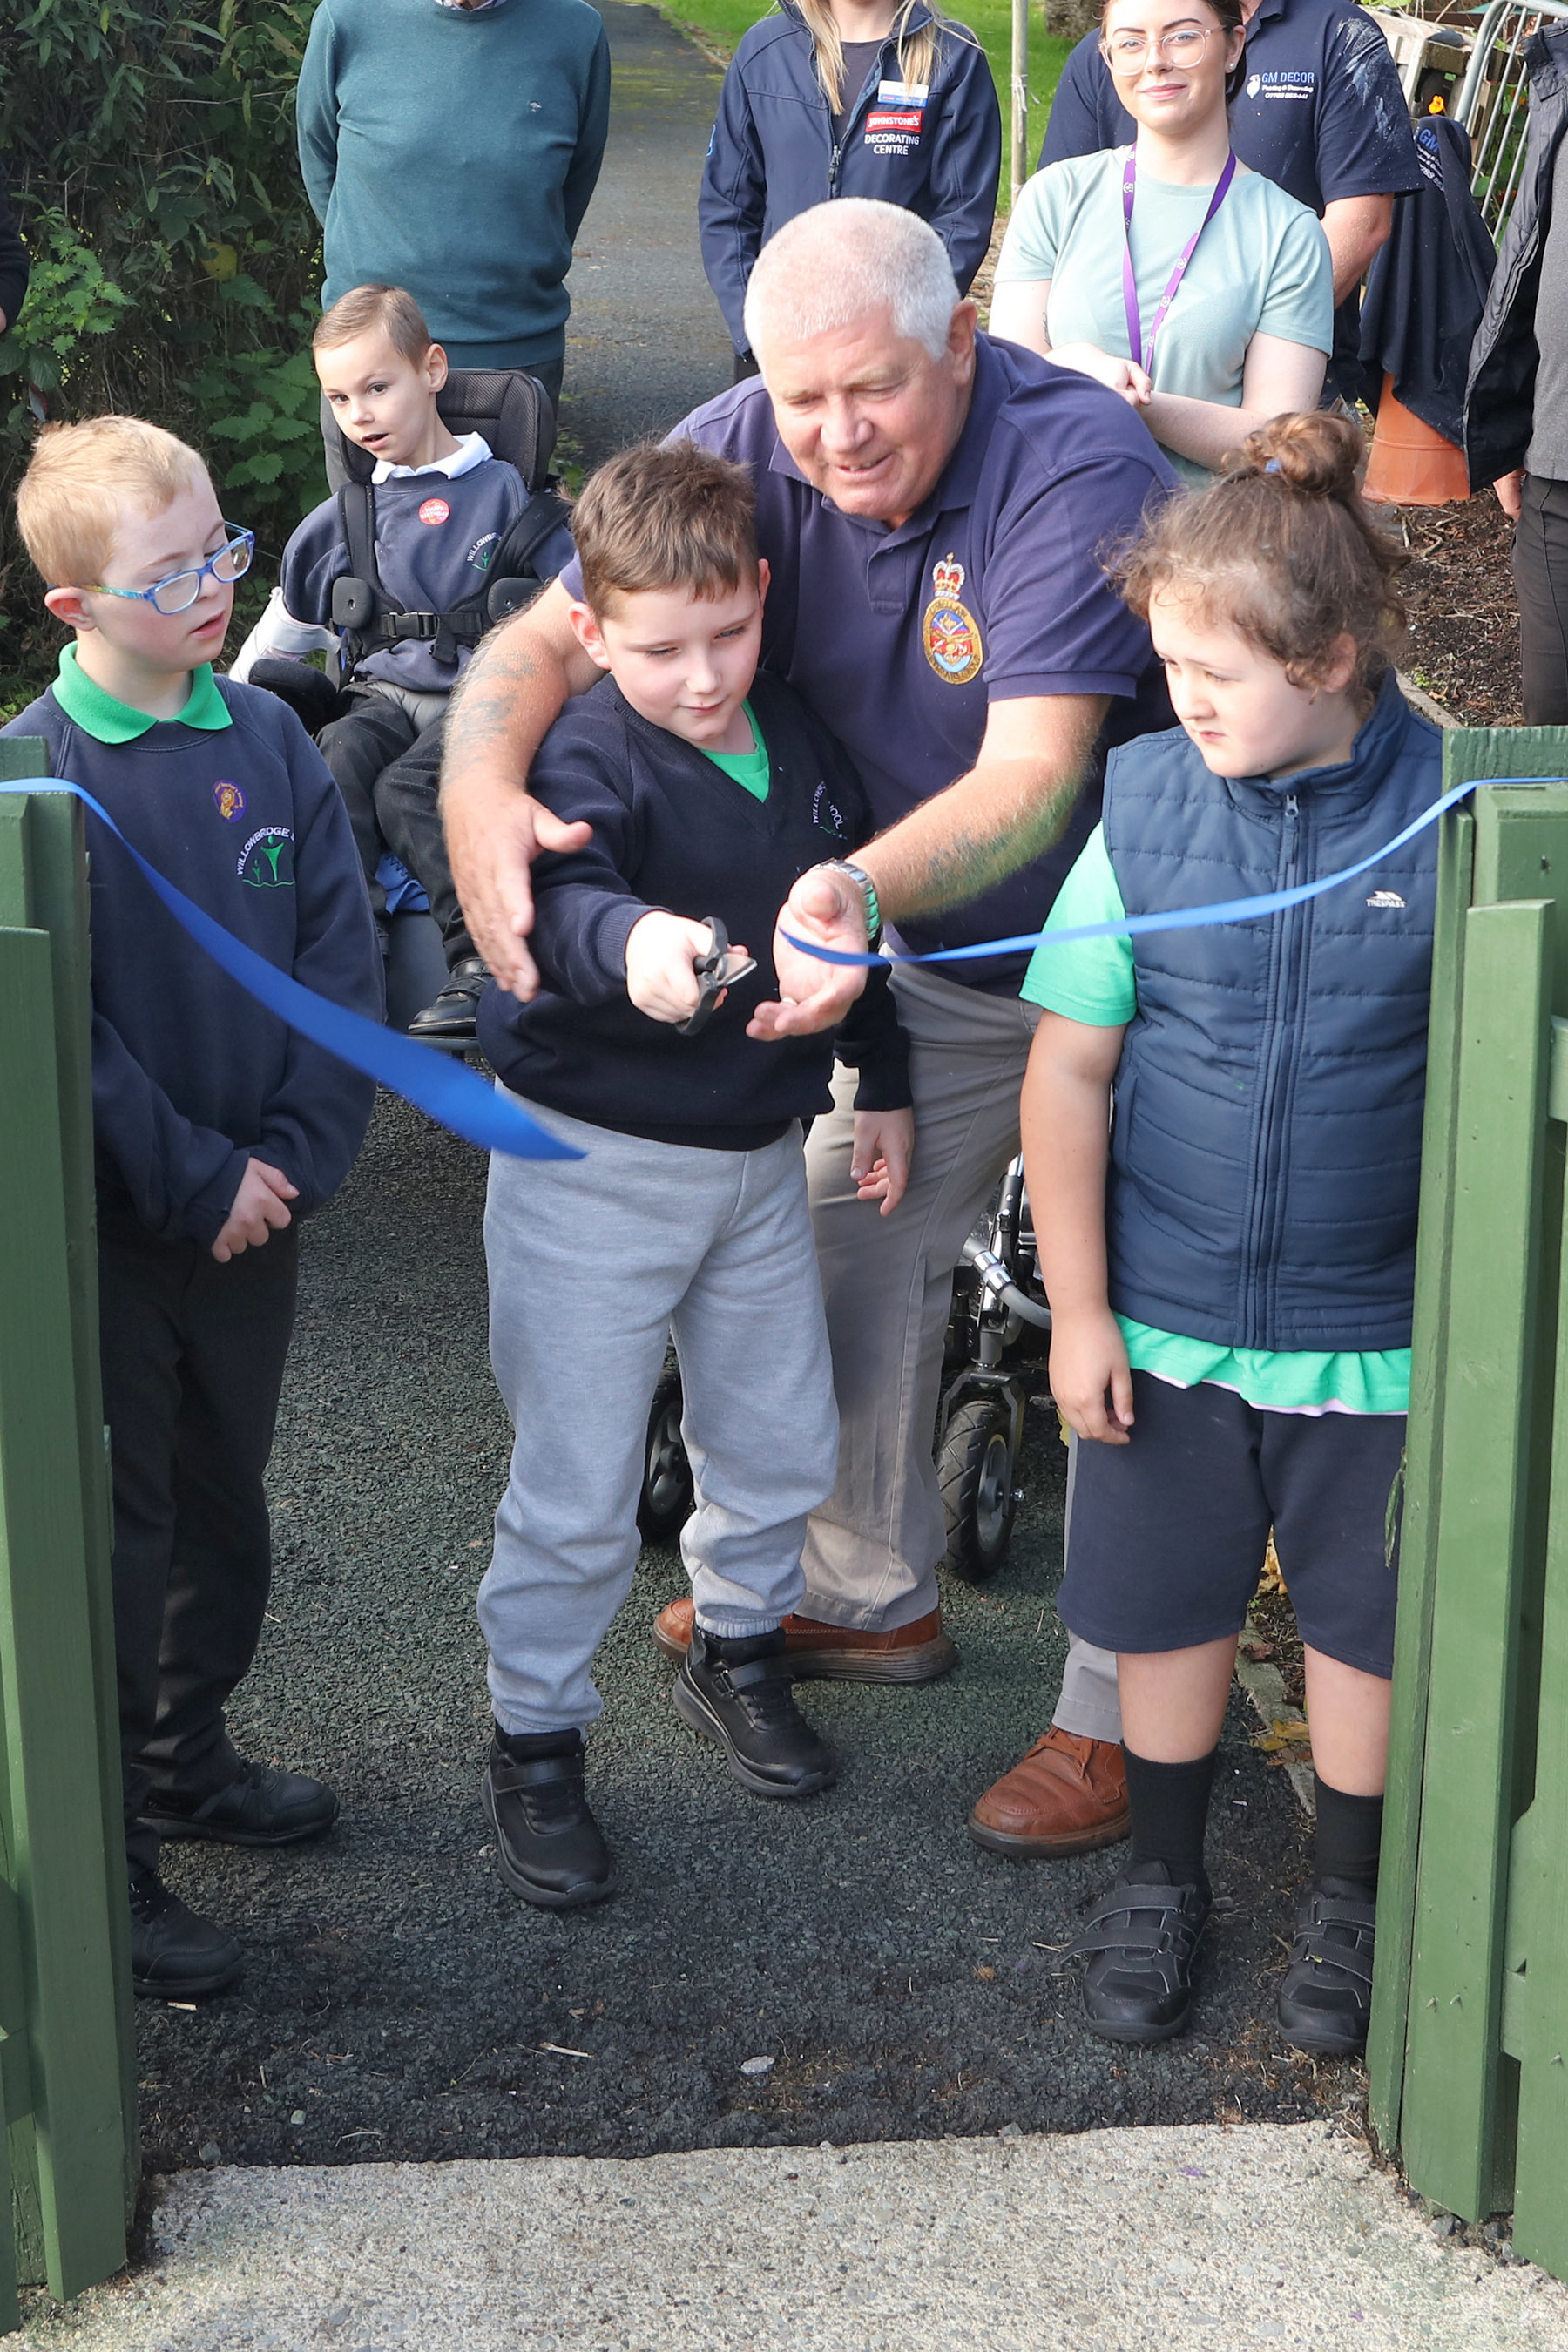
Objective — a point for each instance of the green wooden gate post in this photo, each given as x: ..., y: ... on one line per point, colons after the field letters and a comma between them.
x: 66, y: 2068
x: 1472, y: 1677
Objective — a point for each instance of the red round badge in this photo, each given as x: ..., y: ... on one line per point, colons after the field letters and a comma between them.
x: 434, y: 510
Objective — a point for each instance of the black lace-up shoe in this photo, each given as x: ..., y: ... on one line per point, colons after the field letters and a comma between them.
x: 1325, y: 1998
x: 456, y: 1010
x: 1140, y: 1938
x: 260, y: 1806
x: 740, y: 1696
x: 174, y: 1955
x: 549, y: 1847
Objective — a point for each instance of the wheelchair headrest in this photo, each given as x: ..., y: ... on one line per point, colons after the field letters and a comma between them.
x: 510, y: 409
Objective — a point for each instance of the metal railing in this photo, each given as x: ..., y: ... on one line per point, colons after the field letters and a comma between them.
x: 1493, y: 102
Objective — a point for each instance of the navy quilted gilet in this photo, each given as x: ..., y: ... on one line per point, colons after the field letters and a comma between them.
x: 1267, y: 1144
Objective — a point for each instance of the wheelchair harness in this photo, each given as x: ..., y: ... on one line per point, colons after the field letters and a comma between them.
x: 369, y: 619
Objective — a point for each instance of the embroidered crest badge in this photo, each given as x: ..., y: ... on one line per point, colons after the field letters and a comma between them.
x: 230, y: 801
x: 949, y: 631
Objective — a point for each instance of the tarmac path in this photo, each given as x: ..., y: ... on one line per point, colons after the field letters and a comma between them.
x: 398, y: 2003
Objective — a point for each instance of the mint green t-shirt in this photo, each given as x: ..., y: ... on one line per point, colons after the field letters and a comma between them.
x: 1094, y: 982
x: 1262, y: 267
x: 747, y: 768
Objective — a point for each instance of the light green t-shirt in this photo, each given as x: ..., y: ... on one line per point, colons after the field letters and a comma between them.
x: 1262, y: 267
x: 1094, y: 982
x: 747, y: 768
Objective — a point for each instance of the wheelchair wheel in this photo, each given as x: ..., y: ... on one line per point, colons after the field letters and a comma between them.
x: 975, y: 1473
x: 667, y: 1490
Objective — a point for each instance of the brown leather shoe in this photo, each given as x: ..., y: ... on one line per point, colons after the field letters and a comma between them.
x: 837, y: 1654
x: 1068, y: 1795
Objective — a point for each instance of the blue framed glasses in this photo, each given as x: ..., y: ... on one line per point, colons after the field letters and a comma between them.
x: 179, y: 592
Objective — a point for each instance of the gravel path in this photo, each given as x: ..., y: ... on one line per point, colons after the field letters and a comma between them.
x: 397, y: 2000
x: 645, y: 341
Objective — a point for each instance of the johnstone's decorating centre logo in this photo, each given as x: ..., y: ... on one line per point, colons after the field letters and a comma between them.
x: 267, y: 861
x: 949, y: 630
x: 230, y: 801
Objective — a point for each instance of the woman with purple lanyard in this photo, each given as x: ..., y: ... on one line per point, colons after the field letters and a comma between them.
x: 1197, y: 289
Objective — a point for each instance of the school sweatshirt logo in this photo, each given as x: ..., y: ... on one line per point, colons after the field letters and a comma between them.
x: 229, y: 799
x: 434, y: 510
x: 267, y: 861
x: 483, y: 549
x: 949, y: 630
x: 826, y: 815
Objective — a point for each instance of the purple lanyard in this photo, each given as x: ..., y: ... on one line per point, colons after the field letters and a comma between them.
x: 1129, y: 283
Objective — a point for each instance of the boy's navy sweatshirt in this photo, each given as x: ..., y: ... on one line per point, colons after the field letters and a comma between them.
x: 190, y: 1075
x: 772, y: 152
x: 671, y: 830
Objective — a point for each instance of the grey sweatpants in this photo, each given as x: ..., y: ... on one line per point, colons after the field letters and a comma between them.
x: 872, y: 1548
x: 592, y: 1263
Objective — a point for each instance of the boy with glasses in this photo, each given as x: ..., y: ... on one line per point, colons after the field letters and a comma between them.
x: 216, y: 1127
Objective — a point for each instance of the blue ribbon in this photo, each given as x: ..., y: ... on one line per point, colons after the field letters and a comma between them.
x: 440, y: 1085
x: 1180, y: 919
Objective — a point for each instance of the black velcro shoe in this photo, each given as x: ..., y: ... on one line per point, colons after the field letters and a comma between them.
x: 740, y: 1695
x: 1141, y: 1938
x: 456, y: 1010
x: 1325, y: 1998
x: 548, y: 1848
x: 174, y: 1955
x: 260, y: 1806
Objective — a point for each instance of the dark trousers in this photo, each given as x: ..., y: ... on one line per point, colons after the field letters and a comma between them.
x: 389, y: 773
x: 1541, y: 580
x: 193, y: 1368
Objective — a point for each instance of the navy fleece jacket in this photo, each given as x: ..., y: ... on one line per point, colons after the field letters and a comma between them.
x: 190, y: 1075
x: 773, y: 154
x: 672, y: 830
x: 453, y: 152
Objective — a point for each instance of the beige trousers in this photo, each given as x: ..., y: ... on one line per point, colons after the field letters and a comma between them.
x: 871, y: 1550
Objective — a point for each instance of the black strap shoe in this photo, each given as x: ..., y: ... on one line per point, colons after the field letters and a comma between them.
x: 175, y: 1956
x: 1141, y: 1938
x: 1325, y: 1998
x: 456, y: 1010
x: 740, y: 1695
x: 549, y: 1847
x: 260, y: 1806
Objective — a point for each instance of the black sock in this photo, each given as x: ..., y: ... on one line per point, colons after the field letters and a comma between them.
x: 529, y: 1746
x: 1170, y: 1805
x: 1349, y: 1831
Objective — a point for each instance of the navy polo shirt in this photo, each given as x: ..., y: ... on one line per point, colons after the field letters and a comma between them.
x: 1320, y: 113
x: 900, y: 640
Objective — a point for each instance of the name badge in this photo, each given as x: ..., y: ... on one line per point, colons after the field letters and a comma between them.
x: 902, y: 93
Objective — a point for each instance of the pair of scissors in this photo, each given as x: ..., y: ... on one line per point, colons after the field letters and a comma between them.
x: 716, y: 971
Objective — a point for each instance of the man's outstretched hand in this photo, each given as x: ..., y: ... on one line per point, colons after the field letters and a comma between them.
x: 492, y: 839
x: 828, y: 909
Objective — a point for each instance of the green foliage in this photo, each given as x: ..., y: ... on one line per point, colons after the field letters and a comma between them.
x: 149, y: 145
x: 70, y: 296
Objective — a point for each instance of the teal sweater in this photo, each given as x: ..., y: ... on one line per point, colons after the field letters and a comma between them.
x: 453, y: 152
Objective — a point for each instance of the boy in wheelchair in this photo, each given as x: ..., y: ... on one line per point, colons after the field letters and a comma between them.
x: 430, y: 537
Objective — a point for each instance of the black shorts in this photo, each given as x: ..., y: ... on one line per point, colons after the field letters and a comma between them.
x: 1166, y: 1534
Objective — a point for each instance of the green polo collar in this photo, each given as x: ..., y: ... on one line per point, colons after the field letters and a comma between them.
x: 109, y: 720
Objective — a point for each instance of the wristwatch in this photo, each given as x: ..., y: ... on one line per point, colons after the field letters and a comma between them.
x: 867, y: 889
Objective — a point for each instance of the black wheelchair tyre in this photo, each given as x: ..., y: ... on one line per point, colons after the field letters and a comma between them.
x: 667, y: 1490
x: 974, y: 1474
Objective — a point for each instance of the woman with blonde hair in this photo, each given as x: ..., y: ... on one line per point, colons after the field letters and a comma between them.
x: 887, y: 98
